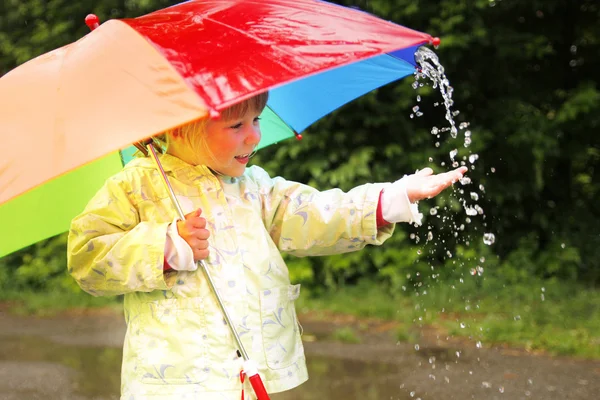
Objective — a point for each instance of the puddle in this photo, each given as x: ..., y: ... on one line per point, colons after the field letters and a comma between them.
x: 83, y: 372
x: 32, y: 368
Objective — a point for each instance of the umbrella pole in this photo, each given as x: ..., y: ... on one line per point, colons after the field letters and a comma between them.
x: 250, y: 368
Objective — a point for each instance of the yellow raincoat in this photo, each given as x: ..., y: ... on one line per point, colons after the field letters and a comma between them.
x: 177, y: 345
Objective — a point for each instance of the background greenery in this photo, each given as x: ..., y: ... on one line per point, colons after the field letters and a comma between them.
x: 525, y: 80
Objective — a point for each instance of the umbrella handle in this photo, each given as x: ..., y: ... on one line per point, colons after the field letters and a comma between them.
x: 250, y: 369
x: 259, y: 388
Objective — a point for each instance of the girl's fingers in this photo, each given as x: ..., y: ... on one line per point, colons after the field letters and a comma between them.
x: 425, y: 172
x: 201, y: 234
x: 197, y: 222
x: 201, y: 254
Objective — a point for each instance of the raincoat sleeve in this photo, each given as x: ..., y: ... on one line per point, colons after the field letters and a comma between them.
x: 306, y: 222
x: 110, y: 251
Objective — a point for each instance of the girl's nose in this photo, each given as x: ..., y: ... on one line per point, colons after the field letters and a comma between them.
x: 253, y: 135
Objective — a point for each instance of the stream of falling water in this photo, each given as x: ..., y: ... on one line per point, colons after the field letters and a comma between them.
x: 467, y: 193
x: 432, y: 70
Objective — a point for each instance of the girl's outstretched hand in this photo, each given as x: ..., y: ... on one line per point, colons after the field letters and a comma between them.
x: 193, y: 231
x: 424, y: 184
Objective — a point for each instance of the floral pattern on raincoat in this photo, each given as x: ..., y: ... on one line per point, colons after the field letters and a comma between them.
x: 177, y: 344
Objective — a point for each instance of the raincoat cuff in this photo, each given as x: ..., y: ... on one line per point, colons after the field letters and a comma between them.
x: 178, y: 254
x: 373, y: 232
x: 396, y: 207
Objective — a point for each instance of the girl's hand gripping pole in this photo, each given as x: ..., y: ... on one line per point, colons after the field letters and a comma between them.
x: 251, y: 371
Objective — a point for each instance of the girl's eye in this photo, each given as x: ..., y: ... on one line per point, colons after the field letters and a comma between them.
x: 256, y: 119
x: 236, y: 126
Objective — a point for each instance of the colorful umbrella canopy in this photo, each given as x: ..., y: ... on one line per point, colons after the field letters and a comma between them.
x: 66, y: 113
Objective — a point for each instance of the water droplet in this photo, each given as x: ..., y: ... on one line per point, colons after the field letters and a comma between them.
x: 453, y: 154
x: 415, y: 109
x: 562, y: 245
x: 467, y: 142
x: 430, y: 159
x: 493, y: 169
x: 465, y: 180
x: 489, y: 238
x: 473, y: 271
x: 474, y: 196
x: 517, y: 317
x: 435, y: 131
x: 463, y: 125
x: 433, y: 211
x: 470, y: 211
x: 482, y: 260
x: 416, y: 347
x: 429, y: 236
x: 478, y: 345
x: 454, y: 132
x: 473, y: 158
x: 462, y: 325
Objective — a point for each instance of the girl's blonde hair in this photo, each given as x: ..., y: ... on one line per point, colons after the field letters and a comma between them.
x: 192, y: 133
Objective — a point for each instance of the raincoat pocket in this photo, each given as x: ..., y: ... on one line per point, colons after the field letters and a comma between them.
x: 171, y: 342
x: 281, y: 336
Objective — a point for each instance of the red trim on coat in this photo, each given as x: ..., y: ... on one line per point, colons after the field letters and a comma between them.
x: 380, y: 221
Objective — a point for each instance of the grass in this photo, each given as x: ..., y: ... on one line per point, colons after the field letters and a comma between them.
x: 345, y: 335
x: 51, y: 303
x: 556, y: 317
x: 549, y: 316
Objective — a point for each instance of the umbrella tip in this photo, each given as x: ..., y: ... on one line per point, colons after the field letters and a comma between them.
x: 298, y: 136
x: 92, y: 21
x: 436, y: 41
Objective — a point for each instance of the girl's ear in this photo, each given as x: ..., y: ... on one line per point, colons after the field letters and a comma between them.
x: 176, y: 133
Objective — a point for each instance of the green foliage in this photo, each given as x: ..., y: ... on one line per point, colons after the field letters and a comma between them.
x: 525, y: 78
x: 345, y: 335
x: 43, y: 266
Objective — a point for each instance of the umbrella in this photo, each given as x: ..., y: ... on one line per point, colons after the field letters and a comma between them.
x: 66, y: 113
x: 130, y: 79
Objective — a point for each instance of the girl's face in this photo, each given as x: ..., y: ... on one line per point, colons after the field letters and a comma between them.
x: 231, y: 142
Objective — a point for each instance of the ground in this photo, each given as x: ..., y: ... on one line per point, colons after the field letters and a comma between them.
x: 52, y: 358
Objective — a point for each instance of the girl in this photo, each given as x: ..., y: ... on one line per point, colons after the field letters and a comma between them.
x: 128, y: 241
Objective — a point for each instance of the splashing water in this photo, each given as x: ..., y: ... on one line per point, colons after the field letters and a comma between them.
x: 432, y: 70
x: 467, y: 194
